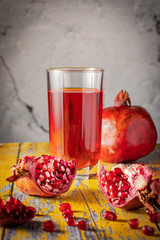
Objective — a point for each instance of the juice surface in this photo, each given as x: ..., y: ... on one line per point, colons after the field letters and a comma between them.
x: 75, y: 124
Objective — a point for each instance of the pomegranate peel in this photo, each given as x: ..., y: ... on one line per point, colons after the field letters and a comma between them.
x: 130, y: 187
x: 128, y: 131
x: 45, y: 176
x: 14, y: 212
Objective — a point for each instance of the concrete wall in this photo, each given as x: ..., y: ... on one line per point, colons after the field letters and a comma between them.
x: 121, y: 36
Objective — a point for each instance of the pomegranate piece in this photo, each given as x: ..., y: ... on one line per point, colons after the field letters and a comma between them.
x: 15, y: 212
x: 82, y: 225
x: 133, y: 223
x: 111, y: 216
x: 148, y: 230
x: 45, y: 176
x: 128, y: 132
x: 134, y: 188
x: 64, y: 206
x: 48, y: 226
x: 70, y: 221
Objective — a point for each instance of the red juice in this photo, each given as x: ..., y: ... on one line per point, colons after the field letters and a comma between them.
x: 75, y: 125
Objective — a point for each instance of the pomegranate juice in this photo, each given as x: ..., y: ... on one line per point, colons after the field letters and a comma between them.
x: 75, y: 125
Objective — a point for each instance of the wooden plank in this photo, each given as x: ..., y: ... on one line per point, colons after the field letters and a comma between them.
x: 8, y: 157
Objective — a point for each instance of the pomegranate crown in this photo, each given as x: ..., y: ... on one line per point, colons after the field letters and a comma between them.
x: 122, y: 99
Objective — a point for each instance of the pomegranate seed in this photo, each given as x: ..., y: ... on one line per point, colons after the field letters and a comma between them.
x: 124, y: 187
x: 122, y: 195
x: 114, y: 194
x: 113, y: 187
x: 67, y: 213
x: 154, y: 217
x: 148, y: 230
x: 82, y: 225
x: 57, y: 184
x: 64, y: 206
x: 148, y: 212
x: 118, y: 171
x: 71, y: 165
x: 61, y: 169
x: 44, y: 167
x: 48, y: 226
x: 134, y: 223
x: 41, y: 177
x: 47, y: 174
x: 111, y: 216
x: 70, y: 221
x: 117, y: 179
x: 56, y: 164
x: 116, y: 201
x: 111, y: 175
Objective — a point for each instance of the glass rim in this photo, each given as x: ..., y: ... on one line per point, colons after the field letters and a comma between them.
x: 76, y: 69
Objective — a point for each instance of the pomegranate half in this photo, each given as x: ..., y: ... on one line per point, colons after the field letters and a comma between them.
x: 128, y: 132
x: 130, y: 187
x: 45, y: 176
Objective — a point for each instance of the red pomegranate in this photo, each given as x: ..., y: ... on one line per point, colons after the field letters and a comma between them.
x: 15, y: 212
x: 130, y: 187
x: 45, y: 176
x: 128, y: 132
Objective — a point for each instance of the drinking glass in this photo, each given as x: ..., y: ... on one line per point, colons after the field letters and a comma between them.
x: 75, y: 116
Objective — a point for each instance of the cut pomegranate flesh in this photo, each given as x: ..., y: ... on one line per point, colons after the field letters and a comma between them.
x: 133, y: 223
x: 111, y: 216
x: 148, y: 230
x: 15, y: 212
x: 48, y: 226
x: 130, y: 187
x: 82, y: 225
x: 64, y: 206
x: 43, y: 176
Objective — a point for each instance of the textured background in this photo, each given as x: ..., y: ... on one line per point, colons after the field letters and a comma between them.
x: 121, y: 36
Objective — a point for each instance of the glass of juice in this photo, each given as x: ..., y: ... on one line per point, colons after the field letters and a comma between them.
x: 75, y: 116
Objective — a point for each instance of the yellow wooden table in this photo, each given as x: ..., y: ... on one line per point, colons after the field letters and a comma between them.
x: 85, y: 197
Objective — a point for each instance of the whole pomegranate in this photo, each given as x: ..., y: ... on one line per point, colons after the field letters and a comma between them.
x: 15, y: 212
x: 128, y: 132
x: 45, y: 176
x: 130, y: 187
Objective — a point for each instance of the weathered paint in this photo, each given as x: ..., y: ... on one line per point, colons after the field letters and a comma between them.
x: 85, y: 197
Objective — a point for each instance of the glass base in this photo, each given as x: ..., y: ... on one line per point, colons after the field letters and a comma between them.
x: 88, y: 172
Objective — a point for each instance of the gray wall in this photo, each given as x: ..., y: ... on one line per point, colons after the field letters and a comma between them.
x: 121, y: 36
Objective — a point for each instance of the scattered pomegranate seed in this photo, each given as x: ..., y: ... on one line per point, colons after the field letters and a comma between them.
x: 148, y: 212
x: 134, y: 223
x: 64, y: 206
x: 155, y: 217
x: 148, y: 230
x: 70, y: 221
x: 67, y: 213
x: 111, y: 216
x: 82, y: 225
x: 48, y: 226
